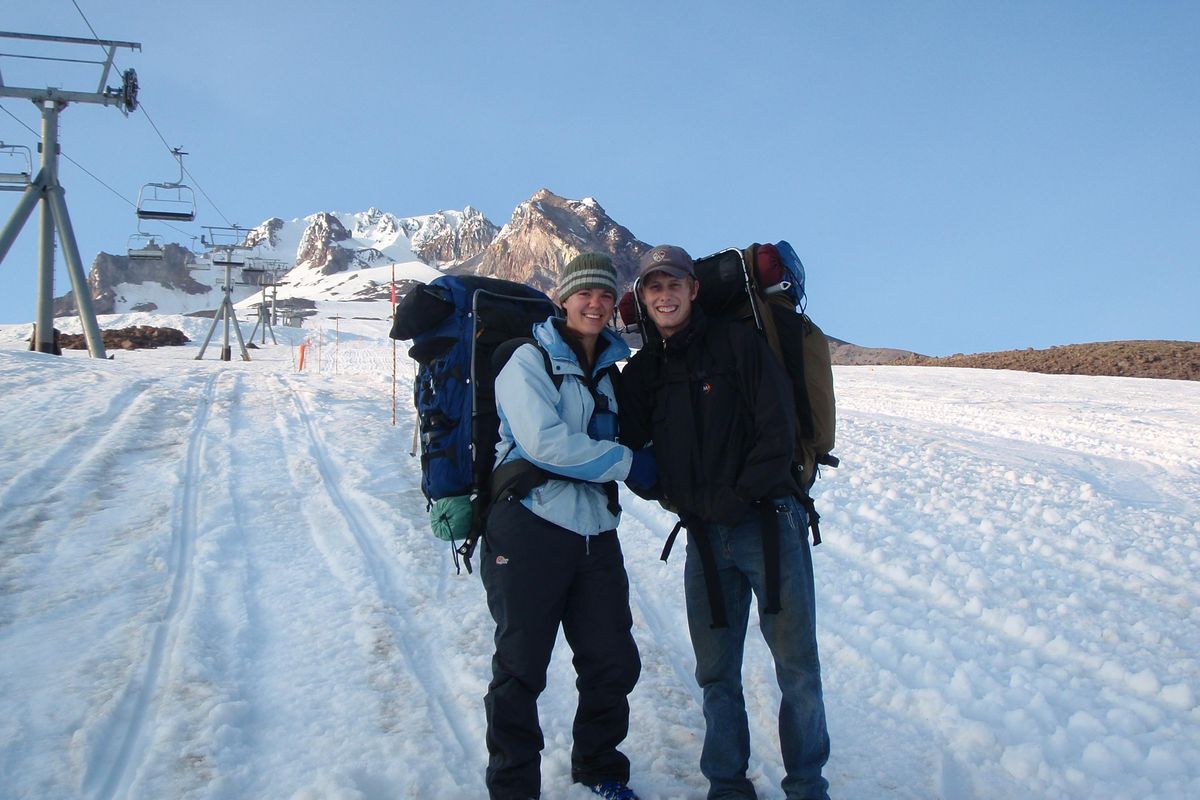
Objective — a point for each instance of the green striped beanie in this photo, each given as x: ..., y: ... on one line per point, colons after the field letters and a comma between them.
x: 587, y: 271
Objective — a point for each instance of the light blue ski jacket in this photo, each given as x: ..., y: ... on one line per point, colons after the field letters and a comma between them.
x: 548, y: 427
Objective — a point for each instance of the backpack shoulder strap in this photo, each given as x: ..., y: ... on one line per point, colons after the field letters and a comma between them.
x: 505, y: 350
x: 614, y: 375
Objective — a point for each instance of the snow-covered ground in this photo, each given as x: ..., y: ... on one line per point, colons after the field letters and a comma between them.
x: 217, y: 580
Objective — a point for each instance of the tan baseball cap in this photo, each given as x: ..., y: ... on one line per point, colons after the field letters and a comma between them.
x: 667, y: 258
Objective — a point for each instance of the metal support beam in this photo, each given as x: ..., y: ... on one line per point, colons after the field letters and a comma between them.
x: 61, y: 96
x: 43, y: 320
x: 225, y: 312
x: 47, y: 189
x: 29, y: 199
x: 43, y: 37
x: 79, y: 283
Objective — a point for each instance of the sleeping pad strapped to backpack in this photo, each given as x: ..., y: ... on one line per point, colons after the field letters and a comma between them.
x: 456, y: 323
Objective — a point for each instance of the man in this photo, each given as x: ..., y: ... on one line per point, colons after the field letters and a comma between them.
x: 718, y: 407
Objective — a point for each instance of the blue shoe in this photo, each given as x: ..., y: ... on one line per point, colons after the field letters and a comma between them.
x: 613, y: 790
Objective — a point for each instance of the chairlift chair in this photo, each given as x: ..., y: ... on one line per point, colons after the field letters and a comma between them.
x: 260, y: 271
x: 252, y: 275
x: 196, y: 260
x: 167, y: 202
x: 227, y: 257
x: 172, y: 201
x: 16, y: 167
x: 144, y: 247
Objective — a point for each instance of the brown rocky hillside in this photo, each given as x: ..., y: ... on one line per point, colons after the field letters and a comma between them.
x: 853, y: 355
x: 1130, y: 359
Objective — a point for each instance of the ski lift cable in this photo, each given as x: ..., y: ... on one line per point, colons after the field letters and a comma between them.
x: 84, y: 169
x: 88, y: 172
x: 20, y: 121
x: 182, y: 168
x: 163, y: 139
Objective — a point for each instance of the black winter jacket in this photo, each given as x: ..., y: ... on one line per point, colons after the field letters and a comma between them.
x: 719, y: 408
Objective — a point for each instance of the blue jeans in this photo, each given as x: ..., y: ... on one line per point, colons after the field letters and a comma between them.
x: 791, y: 637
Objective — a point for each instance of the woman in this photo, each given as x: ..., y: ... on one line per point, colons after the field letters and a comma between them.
x: 551, y: 556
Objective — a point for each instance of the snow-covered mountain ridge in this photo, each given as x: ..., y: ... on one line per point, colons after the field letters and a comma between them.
x: 336, y: 241
x: 300, y: 253
x: 543, y: 234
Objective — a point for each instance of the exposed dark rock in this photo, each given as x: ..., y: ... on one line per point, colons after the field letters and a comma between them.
x: 135, y: 338
x: 266, y: 234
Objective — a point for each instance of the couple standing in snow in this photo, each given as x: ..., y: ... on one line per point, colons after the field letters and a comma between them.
x: 706, y: 425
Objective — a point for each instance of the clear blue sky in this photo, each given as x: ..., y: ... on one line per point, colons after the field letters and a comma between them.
x: 957, y: 176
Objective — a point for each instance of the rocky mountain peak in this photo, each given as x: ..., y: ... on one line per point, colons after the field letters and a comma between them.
x: 318, y: 248
x: 450, y: 237
x: 547, y: 231
x: 376, y: 224
x: 266, y: 234
x: 114, y: 276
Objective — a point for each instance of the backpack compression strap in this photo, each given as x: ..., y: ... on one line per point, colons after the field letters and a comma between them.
x: 696, y: 529
x: 708, y: 562
x: 814, y: 519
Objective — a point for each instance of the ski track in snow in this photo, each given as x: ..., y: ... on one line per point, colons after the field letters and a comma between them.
x: 69, y: 455
x: 392, y: 621
x: 121, y: 746
x: 217, y: 580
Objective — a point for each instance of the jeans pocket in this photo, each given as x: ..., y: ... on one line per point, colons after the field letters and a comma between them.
x: 791, y: 515
x: 784, y: 512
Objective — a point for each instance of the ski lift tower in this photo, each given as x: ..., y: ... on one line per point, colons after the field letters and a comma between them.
x: 270, y: 270
x: 227, y: 256
x: 45, y: 187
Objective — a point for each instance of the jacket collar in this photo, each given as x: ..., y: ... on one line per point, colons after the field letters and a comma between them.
x: 698, y: 323
x: 610, y: 348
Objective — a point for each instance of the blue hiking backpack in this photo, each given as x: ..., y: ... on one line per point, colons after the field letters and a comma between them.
x: 792, y: 285
x: 456, y: 323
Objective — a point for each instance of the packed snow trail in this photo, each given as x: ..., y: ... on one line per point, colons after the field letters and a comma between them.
x: 217, y: 580
x: 124, y: 740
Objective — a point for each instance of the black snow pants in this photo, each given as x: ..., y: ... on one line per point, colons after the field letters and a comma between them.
x: 538, y: 576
